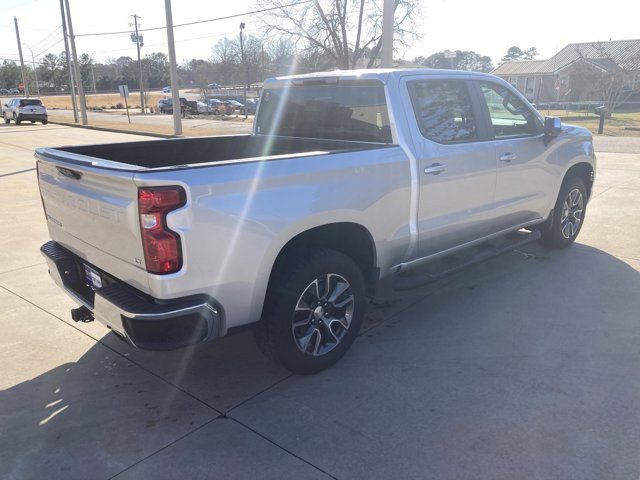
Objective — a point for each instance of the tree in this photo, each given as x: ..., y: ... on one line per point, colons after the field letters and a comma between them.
x: 464, y: 60
x: 10, y: 75
x: 226, y: 56
x: 347, y: 31
x: 516, y: 53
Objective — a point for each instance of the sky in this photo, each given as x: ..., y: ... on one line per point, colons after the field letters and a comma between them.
x: 488, y: 27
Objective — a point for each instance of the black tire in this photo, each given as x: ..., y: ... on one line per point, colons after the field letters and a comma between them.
x: 16, y: 119
x: 556, y: 233
x: 7, y: 119
x: 44, y: 122
x: 287, y: 289
x: 32, y: 121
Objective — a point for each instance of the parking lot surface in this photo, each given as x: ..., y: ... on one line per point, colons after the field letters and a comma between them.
x: 524, y: 367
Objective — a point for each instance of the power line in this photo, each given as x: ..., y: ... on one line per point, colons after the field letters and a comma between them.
x: 177, y: 41
x: 199, y: 21
x: 49, y: 47
x: 46, y: 37
x: 17, y: 60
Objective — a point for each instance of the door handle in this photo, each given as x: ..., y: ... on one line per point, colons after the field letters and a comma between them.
x: 508, y: 156
x: 435, y: 169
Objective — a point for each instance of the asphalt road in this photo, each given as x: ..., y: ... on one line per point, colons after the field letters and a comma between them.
x: 524, y: 367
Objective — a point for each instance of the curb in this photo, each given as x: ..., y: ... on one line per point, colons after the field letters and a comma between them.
x: 116, y: 130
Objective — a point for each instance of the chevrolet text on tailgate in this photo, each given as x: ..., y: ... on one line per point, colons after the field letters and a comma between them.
x: 352, y: 183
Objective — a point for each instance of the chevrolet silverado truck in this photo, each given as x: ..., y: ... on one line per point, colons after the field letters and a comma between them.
x: 351, y: 183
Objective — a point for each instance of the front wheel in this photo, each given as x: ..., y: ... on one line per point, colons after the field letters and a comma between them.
x: 44, y: 122
x: 313, y: 310
x: 16, y: 119
x: 564, y: 224
x: 7, y: 119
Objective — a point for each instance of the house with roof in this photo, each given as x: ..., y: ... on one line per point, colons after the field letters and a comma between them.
x: 575, y: 73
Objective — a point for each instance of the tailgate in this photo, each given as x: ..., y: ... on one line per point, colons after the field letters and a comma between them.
x: 94, y: 212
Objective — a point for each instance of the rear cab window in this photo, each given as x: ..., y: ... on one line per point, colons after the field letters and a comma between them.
x: 333, y: 109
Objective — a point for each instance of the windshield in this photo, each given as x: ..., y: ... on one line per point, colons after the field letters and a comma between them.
x: 348, y: 110
x: 30, y: 103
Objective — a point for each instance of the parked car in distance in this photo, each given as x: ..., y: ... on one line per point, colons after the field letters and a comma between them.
x: 4, y: 91
x: 24, y: 109
x: 14, y: 91
x: 220, y: 107
x: 235, y: 105
x: 352, y: 182
x: 251, y: 106
x: 203, y: 107
x: 165, y: 105
x: 213, y: 86
x: 166, y: 89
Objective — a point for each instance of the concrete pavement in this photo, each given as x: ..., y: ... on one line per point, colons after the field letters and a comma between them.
x: 523, y: 367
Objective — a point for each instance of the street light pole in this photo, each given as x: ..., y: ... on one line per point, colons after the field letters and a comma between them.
x: 173, y: 71
x: 93, y: 76
x: 246, y: 70
x: 24, y: 82
x: 35, y: 69
x: 138, y: 46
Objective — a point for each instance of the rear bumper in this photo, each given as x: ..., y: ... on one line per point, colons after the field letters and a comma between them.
x: 32, y: 116
x: 145, y: 322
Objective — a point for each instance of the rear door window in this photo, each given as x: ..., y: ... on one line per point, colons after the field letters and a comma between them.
x: 444, y: 110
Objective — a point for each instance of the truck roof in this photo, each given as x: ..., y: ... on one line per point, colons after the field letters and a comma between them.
x: 382, y: 74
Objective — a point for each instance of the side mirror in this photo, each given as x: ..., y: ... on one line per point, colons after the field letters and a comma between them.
x: 552, y: 126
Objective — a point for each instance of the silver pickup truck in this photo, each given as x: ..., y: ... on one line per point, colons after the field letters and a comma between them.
x: 351, y: 182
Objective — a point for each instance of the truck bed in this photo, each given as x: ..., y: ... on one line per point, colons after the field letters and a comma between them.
x: 184, y: 152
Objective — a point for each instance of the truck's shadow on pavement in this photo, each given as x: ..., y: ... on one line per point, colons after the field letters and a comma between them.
x: 526, y: 366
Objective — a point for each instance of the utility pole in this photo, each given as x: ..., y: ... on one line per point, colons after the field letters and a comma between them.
x: 246, y: 70
x: 35, y: 69
x: 76, y: 67
x: 24, y: 82
x: 387, y: 34
x: 173, y: 71
x: 66, y: 51
x: 138, y: 39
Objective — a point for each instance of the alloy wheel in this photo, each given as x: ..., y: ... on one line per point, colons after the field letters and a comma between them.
x: 571, y: 215
x: 323, y: 314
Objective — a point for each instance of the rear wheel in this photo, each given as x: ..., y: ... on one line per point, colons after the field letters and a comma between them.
x: 32, y: 121
x: 44, y: 122
x: 6, y: 119
x: 313, y: 310
x: 16, y: 119
x: 564, y: 224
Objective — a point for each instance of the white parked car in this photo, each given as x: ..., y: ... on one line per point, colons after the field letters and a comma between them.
x: 24, y: 109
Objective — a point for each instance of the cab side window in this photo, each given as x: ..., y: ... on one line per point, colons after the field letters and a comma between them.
x: 510, y: 116
x: 443, y: 110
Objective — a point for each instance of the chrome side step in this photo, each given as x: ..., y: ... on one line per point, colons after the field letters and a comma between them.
x: 451, y: 264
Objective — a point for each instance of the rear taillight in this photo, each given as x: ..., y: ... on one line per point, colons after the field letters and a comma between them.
x: 162, y: 251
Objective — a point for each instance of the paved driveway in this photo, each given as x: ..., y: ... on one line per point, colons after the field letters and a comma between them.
x: 524, y: 367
